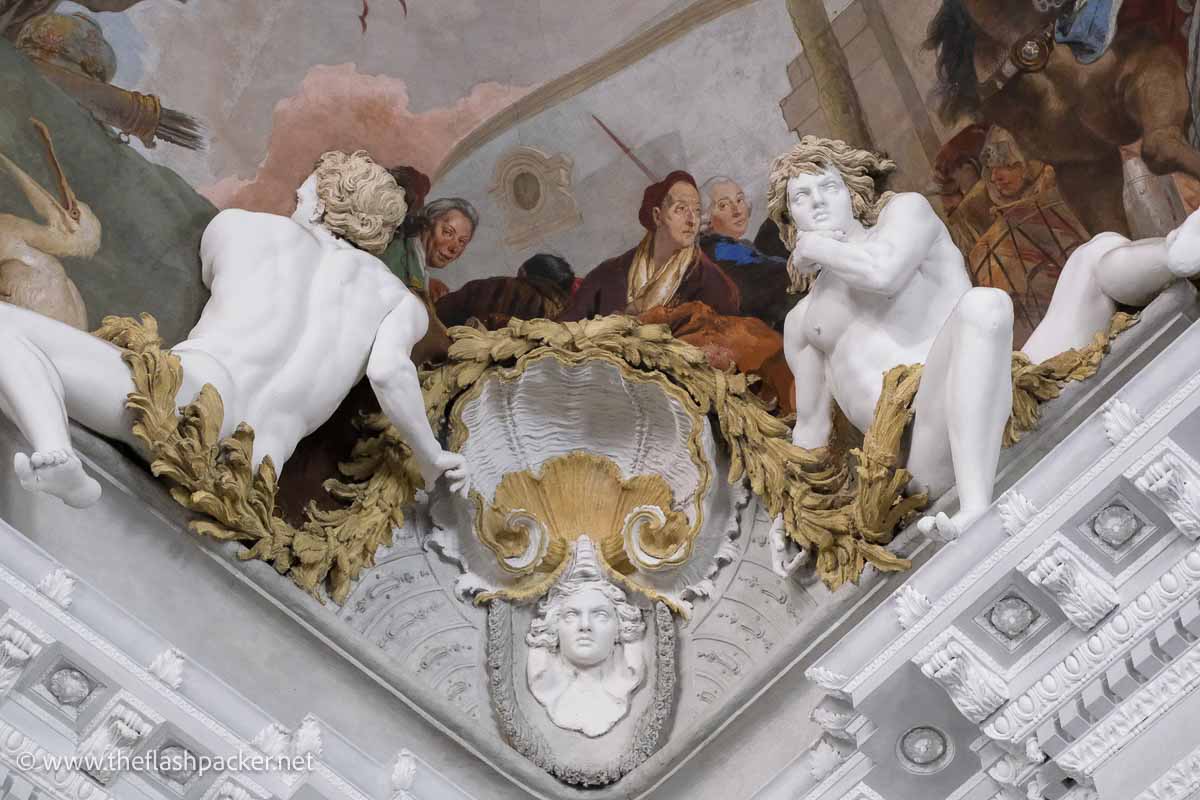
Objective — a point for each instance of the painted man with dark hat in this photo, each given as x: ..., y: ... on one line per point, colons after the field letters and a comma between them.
x: 666, y: 269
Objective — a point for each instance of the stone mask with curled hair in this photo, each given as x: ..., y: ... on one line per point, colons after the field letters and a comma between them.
x: 583, y: 574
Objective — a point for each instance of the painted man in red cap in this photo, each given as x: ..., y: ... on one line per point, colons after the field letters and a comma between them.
x: 666, y: 269
x: 668, y: 280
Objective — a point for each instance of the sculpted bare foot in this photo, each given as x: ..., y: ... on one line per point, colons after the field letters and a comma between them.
x: 1183, y: 248
x: 57, y: 472
x: 946, y: 528
x: 786, y: 555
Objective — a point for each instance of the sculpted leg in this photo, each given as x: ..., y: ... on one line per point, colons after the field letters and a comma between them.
x: 961, y: 409
x: 50, y: 370
x: 1107, y: 271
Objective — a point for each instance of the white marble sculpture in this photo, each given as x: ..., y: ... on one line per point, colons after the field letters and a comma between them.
x: 300, y: 311
x: 586, y: 648
x: 890, y: 288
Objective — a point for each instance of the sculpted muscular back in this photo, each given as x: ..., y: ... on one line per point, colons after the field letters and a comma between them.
x: 293, y: 315
x: 297, y: 315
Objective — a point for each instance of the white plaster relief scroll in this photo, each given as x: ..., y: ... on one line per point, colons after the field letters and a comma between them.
x: 1176, y: 487
x: 910, y: 605
x: 1084, y: 597
x: 1016, y: 510
x: 17, y: 649
x: 58, y: 585
x: 403, y: 775
x: 122, y: 729
x: 974, y: 688
x: 1120, y: 419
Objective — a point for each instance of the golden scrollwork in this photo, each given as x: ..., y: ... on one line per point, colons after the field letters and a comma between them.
x: 844, y: 521
x: 535, y: 519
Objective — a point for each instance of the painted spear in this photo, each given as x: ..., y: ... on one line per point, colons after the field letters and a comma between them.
x: 626, y: 150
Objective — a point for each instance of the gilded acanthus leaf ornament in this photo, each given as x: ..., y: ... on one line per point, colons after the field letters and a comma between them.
x: 214, y: 476
x: 842, y: 505
x: 846, y: 521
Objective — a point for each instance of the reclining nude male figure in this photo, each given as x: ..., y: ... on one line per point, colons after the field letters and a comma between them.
x: 891, y: 289
x: 300, y: 309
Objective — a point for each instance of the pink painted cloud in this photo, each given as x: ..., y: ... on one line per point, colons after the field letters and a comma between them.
x: 337, y: 108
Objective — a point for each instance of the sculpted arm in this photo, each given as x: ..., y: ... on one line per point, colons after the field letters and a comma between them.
x: 393, y: 376
x: 907, y: 230
x: 210, y: 243
x: 814, y: 399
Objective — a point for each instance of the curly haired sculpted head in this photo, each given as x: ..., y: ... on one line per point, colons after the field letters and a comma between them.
x: 543, y: 630
x: 865, y: 173
x: 363, y: 203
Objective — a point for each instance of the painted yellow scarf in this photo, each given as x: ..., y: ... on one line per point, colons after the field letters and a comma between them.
x: 650, y: 285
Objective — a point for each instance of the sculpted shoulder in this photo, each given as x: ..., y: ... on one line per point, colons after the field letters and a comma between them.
x: 235, y: 225
x: 389, y: 288
x: 909, y: 207
x: 235, y: 219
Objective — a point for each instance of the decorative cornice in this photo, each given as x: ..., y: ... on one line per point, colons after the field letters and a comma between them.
x: 1107, y: 643
x: 960, y: 668
x: 1084, y: 597
x: 1150, y: 702
x: 17, y: 750
x: 1180, y: 782
x: 987, y: 565
x: 152, y: 689
x: 1173, y: 482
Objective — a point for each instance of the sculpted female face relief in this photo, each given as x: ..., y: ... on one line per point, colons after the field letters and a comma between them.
x: 819, y: 202
x: 586, y: 651
x: 587, y: 628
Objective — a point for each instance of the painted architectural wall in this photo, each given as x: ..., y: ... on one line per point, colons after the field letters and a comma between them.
x: 707, y: 103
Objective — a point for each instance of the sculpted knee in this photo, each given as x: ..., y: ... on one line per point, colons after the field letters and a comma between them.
x: 985, y: 309
x: 793, y: 328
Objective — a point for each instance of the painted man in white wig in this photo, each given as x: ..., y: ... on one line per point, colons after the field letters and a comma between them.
x: 586, y: 649
x: 301, y: 309
x: 891, y: 289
